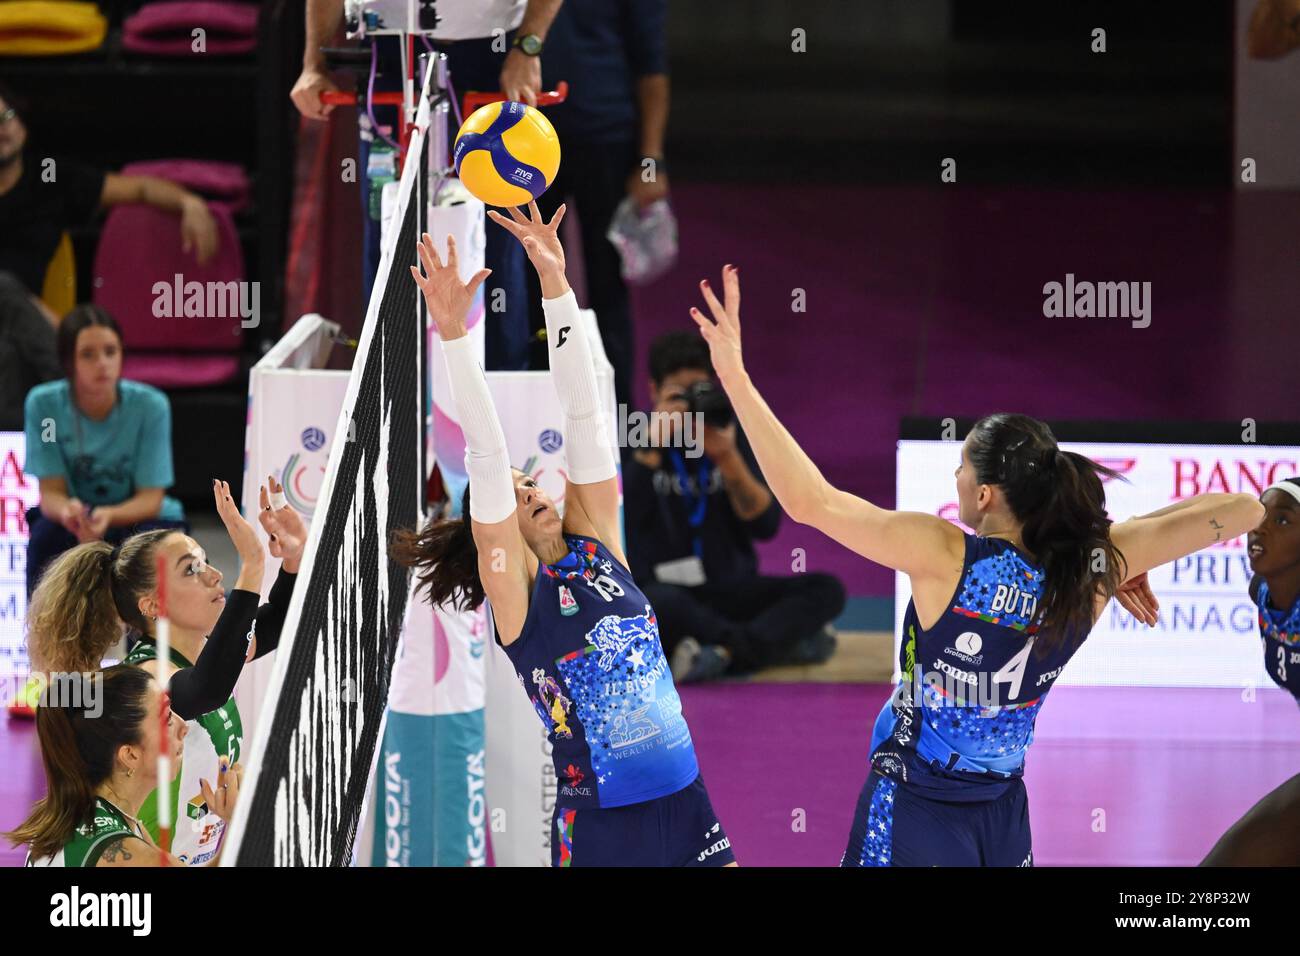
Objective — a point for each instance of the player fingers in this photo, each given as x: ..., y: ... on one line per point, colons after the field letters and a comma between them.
x: 432, y: 261
x: 452, y: 260
x: 558, y: 217
x: 477, y: 280
x: 731, y: 290
x: 711, y: 300
x: 506, y: 224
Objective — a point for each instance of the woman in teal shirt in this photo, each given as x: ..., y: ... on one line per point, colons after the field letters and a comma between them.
x: 100, y: 445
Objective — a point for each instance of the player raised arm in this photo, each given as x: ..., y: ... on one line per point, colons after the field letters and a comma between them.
x: 591, y: 489
x: 907, y: 541
x: 501, y: 549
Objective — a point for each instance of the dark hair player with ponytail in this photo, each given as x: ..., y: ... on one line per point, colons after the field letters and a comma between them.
x: 100, y: 752
x: 580, y: 633
x: 994, y: 616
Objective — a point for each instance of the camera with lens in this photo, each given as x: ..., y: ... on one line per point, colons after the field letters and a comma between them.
x: 706, y: 399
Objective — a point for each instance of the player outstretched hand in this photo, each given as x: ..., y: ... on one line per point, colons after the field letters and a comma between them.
x: 541, y: 240
x: 723, y: 333
x: 1138, y: 599
x: 283, y: 525
x: 447, y: 298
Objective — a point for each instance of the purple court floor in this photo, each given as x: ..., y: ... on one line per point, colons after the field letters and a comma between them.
x: 1165, y: 771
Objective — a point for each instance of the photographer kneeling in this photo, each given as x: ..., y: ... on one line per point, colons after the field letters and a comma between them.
x: 694, y: 503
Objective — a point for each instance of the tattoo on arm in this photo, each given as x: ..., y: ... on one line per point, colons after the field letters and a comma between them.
x: 115, y: 852
x: 1218, y: 529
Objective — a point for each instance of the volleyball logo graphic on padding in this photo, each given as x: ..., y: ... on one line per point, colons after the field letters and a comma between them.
x: 507, y: 154
x: 550, y: 441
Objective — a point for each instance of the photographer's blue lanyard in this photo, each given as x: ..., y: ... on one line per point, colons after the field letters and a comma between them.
x: 695, y: 509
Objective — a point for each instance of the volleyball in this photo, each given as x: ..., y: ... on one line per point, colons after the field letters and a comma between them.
x: 507, y: 154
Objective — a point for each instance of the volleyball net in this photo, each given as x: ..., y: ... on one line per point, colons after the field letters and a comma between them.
x: 307, y: 765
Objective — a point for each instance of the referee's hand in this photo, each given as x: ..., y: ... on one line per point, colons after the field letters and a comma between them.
x: 306, y: 93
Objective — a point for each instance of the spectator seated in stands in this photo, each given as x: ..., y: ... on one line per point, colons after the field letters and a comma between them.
x: 100, y: 445
x: 694, y: 503
x: 27, y: 352
x: 40, y: 197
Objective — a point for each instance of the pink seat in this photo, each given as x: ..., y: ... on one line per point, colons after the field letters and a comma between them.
x: 180, y: 370
x: 149, y: 285
x: 165, y: 29
x: 227, y: 182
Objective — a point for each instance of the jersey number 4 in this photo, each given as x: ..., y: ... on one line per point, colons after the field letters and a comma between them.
x: 1013, y: 672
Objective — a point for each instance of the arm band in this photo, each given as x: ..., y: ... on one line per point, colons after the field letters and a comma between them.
x: 487, y: 462
x: 587, y: 446
x: 201, y: 689
x: 271, y: 615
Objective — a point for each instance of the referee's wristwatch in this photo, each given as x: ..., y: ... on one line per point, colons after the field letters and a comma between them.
x: 530, y: 44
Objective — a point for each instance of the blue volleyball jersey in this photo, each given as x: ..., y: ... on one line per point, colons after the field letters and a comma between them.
x: 959, y: 722
x: 590, y: 660
x: 1280, y: 633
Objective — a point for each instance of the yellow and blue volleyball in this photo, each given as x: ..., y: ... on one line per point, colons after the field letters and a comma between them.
x: 507, y: 153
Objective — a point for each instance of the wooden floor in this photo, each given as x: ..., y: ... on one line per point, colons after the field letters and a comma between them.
x: 863, y: 657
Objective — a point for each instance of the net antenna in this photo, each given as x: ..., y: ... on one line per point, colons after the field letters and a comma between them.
x: 304, y: 786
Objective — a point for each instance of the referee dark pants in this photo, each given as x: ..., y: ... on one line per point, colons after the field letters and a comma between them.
x: 759, y: 620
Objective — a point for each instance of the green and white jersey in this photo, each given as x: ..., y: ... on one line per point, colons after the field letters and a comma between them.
x: 196, y: 833
x: 107, y: 823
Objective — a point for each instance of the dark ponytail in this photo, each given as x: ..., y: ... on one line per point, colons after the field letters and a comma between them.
x: 79, y: 746
x: 1058, y: 498
x: 445, y: 558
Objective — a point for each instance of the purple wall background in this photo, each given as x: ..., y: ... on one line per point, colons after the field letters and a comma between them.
x: 928, y: 301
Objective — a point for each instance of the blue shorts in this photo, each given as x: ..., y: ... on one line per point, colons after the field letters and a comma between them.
x: 680, y: 829
x: 894, y: 826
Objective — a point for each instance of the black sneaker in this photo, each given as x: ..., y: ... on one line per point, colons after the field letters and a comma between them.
x: 709, y: 664
x: 815, y: 648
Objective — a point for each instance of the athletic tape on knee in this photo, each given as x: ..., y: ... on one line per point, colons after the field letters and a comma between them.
x: 487, y: 462
x: 588, y: 449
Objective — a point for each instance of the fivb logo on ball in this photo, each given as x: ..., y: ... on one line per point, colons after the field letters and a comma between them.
x: 507, y: 154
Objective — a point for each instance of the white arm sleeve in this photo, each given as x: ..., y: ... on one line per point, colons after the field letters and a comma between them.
x: 487, y: 462
x: 588, y: 450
